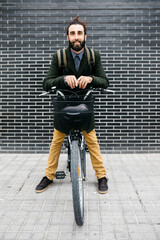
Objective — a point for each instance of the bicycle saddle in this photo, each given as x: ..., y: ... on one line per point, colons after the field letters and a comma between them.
x: 75, y: 110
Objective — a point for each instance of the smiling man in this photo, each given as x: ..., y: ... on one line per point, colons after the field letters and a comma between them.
x: 76, y: 76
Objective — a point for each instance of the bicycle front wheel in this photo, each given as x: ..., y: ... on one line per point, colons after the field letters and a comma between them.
x: 77, y: 183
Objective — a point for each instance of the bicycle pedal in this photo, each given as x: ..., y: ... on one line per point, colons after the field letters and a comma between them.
x: 60, y: 175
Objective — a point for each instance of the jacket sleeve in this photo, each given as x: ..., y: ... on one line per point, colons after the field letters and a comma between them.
x: 99, y: 77
x: 53, y: 77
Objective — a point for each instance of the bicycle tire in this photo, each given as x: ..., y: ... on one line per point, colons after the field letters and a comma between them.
x: 77, y: 183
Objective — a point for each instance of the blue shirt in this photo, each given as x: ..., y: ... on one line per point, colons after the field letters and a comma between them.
x: 77, y: 64
x: 74, y: 58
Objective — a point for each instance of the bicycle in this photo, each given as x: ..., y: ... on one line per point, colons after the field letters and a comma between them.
x: 75, y: 112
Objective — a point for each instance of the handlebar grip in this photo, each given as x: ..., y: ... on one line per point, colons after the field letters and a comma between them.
x: 108, y: 90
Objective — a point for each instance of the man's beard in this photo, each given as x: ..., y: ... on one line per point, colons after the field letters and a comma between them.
x: 77, y: 48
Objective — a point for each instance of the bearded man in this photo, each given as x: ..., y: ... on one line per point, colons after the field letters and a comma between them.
x: 76, y: 76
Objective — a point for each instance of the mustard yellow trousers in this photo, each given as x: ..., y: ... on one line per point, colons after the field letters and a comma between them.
x: 93, y: 147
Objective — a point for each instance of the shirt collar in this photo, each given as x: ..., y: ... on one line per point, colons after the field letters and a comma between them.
x: 80, y: 55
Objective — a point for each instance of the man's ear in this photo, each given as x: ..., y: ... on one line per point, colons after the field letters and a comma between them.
x: 67, y: 37
x: 85, y: 36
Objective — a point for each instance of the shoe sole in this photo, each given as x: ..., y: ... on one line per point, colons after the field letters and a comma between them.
x: 39, y: 191
x: 102, y: 192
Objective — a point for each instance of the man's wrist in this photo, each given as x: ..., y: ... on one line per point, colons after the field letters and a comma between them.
x: 64, y: 79
x: 91, y: 79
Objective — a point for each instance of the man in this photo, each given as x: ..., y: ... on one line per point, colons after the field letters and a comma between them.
x: 76, y: 76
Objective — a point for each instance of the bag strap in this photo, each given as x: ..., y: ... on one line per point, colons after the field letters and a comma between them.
x: 91, y: 58
x: 62, y: 59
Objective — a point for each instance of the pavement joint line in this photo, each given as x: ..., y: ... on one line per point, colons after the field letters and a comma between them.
x: 130, y: 209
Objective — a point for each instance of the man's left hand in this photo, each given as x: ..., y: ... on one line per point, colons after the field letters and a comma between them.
x: 83, y: 81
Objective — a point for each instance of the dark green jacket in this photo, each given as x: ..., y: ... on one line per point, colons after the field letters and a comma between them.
x: 56, y: 78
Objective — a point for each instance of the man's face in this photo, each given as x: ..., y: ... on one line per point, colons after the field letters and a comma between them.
x: 76, y: 37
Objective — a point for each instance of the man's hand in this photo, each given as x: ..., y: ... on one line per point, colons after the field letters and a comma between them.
x: 71, y: 81
x: 83, y: 81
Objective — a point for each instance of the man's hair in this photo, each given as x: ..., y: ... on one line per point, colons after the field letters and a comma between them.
x: 77, y: 21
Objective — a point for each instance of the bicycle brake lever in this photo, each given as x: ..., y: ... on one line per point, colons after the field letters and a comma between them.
x: 54, y: 88
x: 87, y: 94
x: 62, y: 95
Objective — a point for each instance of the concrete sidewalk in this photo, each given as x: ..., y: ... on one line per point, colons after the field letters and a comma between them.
x: 129, y: 211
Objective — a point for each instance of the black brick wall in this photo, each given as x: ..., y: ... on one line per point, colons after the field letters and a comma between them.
x: 127, y: 35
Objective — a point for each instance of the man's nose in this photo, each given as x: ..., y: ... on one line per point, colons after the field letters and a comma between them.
x: 76, y: 36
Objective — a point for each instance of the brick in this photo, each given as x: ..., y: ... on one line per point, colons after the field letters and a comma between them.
x: 125, y: 33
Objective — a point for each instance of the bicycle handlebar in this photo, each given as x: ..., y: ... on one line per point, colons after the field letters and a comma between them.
x: 55, y: 89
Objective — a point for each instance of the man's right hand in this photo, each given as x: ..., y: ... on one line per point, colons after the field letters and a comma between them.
x: 71, y: 81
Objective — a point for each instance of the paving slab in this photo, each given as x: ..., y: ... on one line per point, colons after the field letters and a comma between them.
x: 129, y: 211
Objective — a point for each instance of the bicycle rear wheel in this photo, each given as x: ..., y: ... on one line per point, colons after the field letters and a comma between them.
x: 77, y: 183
